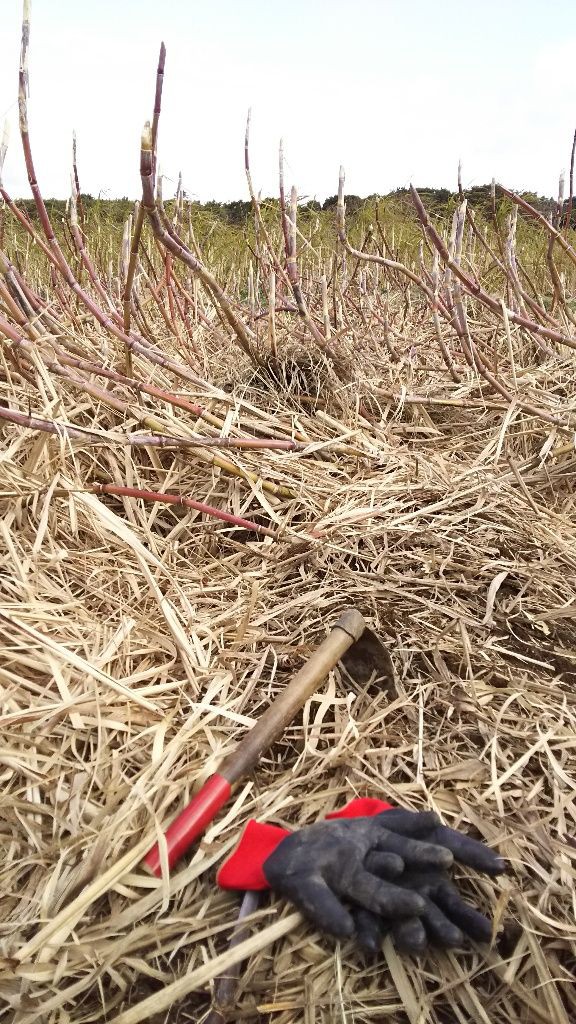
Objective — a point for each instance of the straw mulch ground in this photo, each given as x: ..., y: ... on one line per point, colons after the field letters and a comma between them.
x: 139, y: 640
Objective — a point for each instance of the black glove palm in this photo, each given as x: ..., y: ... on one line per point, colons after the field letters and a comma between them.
x: 322, y: 865
x: 390, y: 870
x: 446, y: 919
x: 464, y: 849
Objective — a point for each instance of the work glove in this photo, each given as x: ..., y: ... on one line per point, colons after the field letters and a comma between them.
x: 344, y: 875
x: 446, y: 921
x: 464, y: 849
x: 324, y: 866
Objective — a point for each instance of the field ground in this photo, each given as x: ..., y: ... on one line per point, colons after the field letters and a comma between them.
x: 395, y: 424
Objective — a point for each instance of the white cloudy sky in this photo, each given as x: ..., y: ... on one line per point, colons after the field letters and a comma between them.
x: 396, y: 90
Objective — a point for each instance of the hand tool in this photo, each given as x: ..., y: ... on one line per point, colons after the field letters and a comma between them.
x: 194, y: 819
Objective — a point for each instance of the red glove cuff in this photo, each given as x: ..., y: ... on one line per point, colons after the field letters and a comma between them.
x: 363, y: 807
x: 244, y: 869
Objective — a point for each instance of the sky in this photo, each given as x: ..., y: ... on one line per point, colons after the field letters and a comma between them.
x: 397, y: 91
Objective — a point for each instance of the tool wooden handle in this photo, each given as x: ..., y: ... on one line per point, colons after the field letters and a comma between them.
x: 193, y: 820
x: 346, y: 631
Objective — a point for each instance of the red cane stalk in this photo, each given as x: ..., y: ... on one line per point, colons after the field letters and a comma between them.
x: 434, y: 301
x: 289, y: 274
x: 125, y: 409
x: 538, y: 310
x: 180, y: 250
x: 170, y: 499
x: 383, y: 261
x: 475, y: 289
x: 8, y: 289
x: 139, y: 222
x: 477, y: 362
x: 54, y: 246
x: 471, y: 353
x: 135, y: 343
x: 3, y: 151
x: 289, y: 230
x: 170, y: 280
x: 166, y: 281
x: 24, y: 221
x: 568, y: 214
x: 81, y: 248
x: 179, y: 500
x: 261, y: 228
x: 155, y: 292
x: 138, y: 386
x: 541, y: 219
x: 30, y: 300
x: 167, y: 235
x: 437, y: 328
x: 148, y: 440
x: 150, y: 389
x: 82, y: 215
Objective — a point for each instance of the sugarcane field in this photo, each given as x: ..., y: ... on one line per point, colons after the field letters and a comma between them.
x: 288, y: 514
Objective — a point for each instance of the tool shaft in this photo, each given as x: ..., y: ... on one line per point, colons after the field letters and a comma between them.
x: 194, y: 819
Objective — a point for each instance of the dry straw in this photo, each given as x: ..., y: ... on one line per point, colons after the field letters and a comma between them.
x: 418, y: 377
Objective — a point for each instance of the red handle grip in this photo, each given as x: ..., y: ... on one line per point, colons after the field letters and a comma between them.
x: 191, y: 822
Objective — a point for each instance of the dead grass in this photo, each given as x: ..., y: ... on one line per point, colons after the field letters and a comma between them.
x: 432, y: 486
x: 139, y: 640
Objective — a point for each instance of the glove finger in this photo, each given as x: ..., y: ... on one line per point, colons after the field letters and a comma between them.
x: 469, y: 851
x: 370, y: 929
x: 410, y: 935
x: 319, y: 904
x: 372, y: 893
x: 385, y: 865
x: 408, y: 823
x: 440, y: 928
x: 471, y: 921
x: 425, y: 881
x: 414, y: 852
